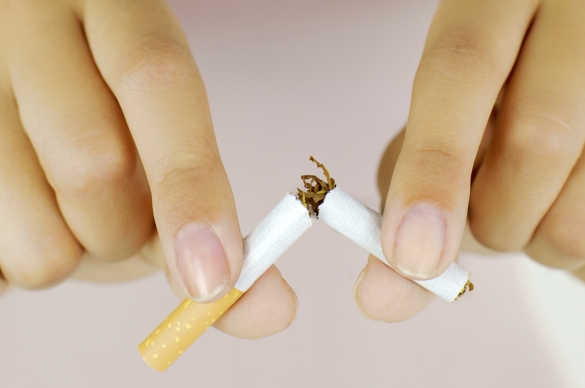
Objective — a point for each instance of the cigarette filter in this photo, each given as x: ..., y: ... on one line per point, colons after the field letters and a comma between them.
x: 262, y: 247
x: 362, y: 225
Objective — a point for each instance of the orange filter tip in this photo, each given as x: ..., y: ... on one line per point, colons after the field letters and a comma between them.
x: 172, y: 337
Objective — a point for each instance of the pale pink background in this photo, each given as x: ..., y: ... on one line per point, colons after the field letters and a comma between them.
x: 286, y: 79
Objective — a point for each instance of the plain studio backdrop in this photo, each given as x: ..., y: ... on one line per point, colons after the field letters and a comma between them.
x: 287, y: 79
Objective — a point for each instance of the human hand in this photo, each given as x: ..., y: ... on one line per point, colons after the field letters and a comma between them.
x: 522, y: 187
x: 105, y: 130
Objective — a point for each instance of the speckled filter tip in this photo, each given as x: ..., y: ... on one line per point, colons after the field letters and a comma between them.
x: 262, y: 247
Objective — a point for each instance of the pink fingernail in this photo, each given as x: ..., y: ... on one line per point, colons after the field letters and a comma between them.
x: 201, y: 262
x: 420, y: 241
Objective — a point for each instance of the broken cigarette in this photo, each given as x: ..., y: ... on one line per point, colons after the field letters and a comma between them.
x: 292, y: 217
x: 262, y: 247
x: 362, y: 225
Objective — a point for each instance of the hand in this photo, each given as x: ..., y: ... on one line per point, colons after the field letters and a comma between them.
x: 105, y: 130
x: 527, y: 189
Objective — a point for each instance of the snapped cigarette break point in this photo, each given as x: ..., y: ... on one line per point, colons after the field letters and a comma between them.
x: 292, y: 217
x: 315, y: 189
x: 467, y: 287
x: 362, y: 225
x: 262, y: 247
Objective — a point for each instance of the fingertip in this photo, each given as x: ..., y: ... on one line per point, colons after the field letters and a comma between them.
x: 44, y: 262
x: 421, y: 239
x: 382, y: 294
x: 268, y: 307
x: 208, y: 259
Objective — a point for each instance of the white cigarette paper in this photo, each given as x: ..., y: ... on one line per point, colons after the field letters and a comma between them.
x: 274, y: 235
x: 362, y: 225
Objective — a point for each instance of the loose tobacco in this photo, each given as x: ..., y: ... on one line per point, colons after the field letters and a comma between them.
x: 315, y: 188
x: 467, y: 287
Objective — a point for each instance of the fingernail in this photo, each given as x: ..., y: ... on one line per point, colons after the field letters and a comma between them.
x: 201, y: 262
x: 420, y: 240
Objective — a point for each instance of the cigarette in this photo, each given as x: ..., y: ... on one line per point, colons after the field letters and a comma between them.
x: 362, y: 225
x: 262, y: 247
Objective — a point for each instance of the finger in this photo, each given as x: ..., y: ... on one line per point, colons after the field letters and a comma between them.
x: 464, y: 65
x: 267, y: 308
x: 559, y: 240
x: 384, y: 295
x: 3, y: 284
x: 540, y: 131
x: 145, y: 59
x: 148, y: 261
x: 392, y: 151
x: 386, y: 169
x: 580, y: 274
x: 36, y: 246
x: 132, y: 268
x: 387, y: 166
x: 80, y: 135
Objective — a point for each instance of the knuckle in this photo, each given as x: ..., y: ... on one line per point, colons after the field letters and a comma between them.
x: 550, y: 138
x: 157, y: 62
x: 174, y: 178
x: 568, y: 240
x: 189, y: 162
x: 439, y: 161
x: 51, y: 263
x: 497, y: 238
x: 92, y: 167
x: 435, y: 171
x: 461, y: 53
x: 442, y: 156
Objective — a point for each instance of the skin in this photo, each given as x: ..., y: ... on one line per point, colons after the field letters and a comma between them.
x: 516, y: 175
x: 120, y: 143
x: 105, y: 134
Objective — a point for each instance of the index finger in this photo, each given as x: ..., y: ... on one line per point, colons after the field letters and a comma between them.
x: 145, y: 59
x: 470, y: 50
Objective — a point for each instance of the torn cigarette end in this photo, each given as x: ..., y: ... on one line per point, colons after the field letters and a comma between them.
x: 315, y: 188
x: 362, y: 225
x: 467, y: 287
x: 181, y: 328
